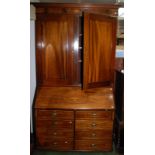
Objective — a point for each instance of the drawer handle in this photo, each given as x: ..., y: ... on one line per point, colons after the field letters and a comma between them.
x: 70, y: 122
x: 94, y: 114
x: 55, y: 143
x: 54, y: 114
x: 93, y: 124
x: 93, y: 134
x: 66, y: 142
x: 93, y: 145
x: 54, y: 133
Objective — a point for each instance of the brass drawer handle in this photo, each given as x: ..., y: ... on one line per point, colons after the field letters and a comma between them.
x: 55, y: 143
x: 93, y: 134
x: 94, y: 114
x: 93, y: 145
x: 54, y: 114
x: 70, y: 122
x: 54, y: 133
x: 66, y: 142
x: 79, y: 60
x: 93, y: 124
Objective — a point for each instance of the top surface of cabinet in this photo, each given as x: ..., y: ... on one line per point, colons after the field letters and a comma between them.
x: 81, y: 5
x: 74, y: 98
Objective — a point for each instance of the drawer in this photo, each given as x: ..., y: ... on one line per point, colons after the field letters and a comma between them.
x: 57, y: 144
x: 93, y: 134
x: 93, y: 145
x: 49, y: 134
x: 56, y: 124
x: 86, y: 114
x: 54, y: 114
x: 96, y: 124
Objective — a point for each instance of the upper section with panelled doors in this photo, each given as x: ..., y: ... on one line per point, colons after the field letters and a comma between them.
x: 75, y: 44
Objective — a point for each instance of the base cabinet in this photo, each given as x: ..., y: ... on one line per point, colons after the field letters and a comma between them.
x: 83, y: 130
x: 68, y: 119
x: 56, y: 130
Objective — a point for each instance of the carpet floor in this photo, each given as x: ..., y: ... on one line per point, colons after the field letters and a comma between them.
x: 43, y: 152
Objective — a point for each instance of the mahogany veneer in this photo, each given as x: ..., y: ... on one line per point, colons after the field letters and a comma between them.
x: 75, y: 46
x: 68, y: 118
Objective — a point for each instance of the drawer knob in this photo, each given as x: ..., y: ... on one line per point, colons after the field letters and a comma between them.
x: 55, y: 143
x: 94, y: 114
x: 54, y: 114
x: 93, y: 134
x: 93, y: 145
x: 115, y: 13
x: 54, y: 133
x: 66, y: 142
x: 70, y: 122
x: 93, y: 124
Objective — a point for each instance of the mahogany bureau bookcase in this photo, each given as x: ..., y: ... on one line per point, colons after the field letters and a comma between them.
x: 75, y: 53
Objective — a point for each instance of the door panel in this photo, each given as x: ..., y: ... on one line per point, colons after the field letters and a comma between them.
x: 56, y: 41
x: 99, y: 50
x: 56, y: 55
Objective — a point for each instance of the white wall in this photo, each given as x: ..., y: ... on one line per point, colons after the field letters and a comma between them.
x: 32, y: 61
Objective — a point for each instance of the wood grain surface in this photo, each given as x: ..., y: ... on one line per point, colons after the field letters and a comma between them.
x: 74, y: 98
x: 99, y: 50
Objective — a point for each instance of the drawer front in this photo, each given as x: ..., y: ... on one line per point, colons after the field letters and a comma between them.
x: 88, y: 124
x: 50, y: 134
x: 93, y: 134
x: 56, y: 144
x: 54, y: 114
x: 93, y: 145
x: 57, y: 124
x: 107, y: 115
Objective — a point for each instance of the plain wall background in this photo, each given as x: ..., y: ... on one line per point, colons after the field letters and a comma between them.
x: 32, y: 61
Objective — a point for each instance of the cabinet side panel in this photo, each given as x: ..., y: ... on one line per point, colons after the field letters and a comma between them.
x: 39, y: 51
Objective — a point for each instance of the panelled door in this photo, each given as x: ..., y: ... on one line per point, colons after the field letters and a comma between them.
x: 55, y: 51
x: 99, y: 50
